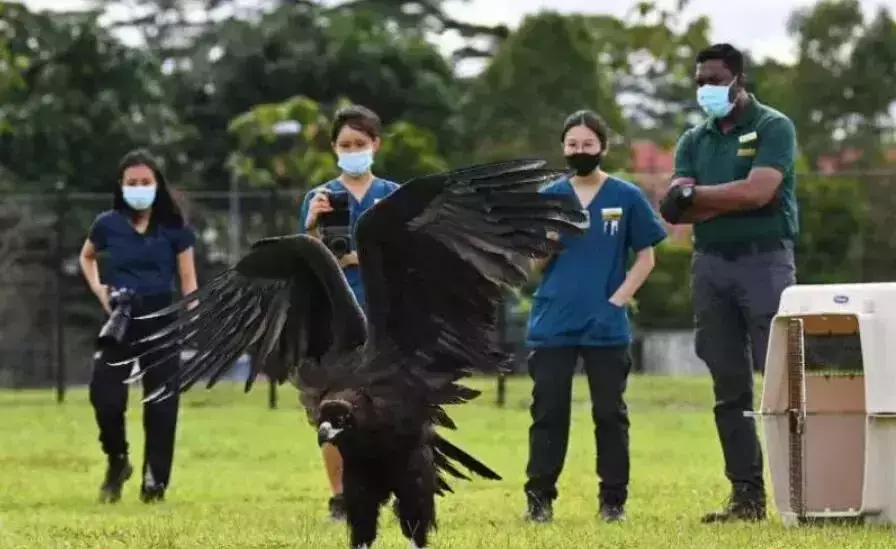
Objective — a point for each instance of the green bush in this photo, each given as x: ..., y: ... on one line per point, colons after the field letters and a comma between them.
x: 833, y: 222
x: 664, y: 301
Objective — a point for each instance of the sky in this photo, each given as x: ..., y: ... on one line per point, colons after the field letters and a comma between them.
x: 757, y: 25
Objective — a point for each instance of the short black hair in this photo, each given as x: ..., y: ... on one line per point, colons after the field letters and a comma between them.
x: 356, y: 117
x: 592, y: 121
x: 730, y: 56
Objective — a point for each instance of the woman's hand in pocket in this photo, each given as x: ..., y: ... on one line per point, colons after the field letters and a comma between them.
x: 615, y: 302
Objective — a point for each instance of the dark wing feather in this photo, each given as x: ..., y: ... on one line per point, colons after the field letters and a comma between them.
x: 447, y: 457
x: 435, y: 256
x: 286, y: 303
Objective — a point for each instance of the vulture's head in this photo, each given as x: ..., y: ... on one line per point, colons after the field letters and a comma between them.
x: 336, y: 420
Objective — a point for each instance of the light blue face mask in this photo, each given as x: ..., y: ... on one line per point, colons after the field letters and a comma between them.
x: 356, y: 163
x: 139, y: 198
x: 714, y: 100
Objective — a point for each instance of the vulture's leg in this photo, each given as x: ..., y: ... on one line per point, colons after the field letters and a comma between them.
x: 417, y: 516
x: 362, y: 505
x: 415, y: 492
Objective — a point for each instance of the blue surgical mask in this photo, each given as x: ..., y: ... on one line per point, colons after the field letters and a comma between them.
x: 714, y: 100
x: 139, y: 198
x: 356, y: 163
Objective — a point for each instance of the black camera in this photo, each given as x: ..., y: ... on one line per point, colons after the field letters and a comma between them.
x: 336, y: 226
x: 113, y: 331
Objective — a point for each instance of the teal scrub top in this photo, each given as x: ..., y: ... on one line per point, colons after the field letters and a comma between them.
x: 571, y: 305
x: 379, y: 189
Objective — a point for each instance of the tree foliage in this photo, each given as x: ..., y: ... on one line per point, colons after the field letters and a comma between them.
x: 322, y: 55
x: 84, y: 99
x: 407, y: 151
x: 203, y: 83
x: 546, y: 70
x: 650, y: 56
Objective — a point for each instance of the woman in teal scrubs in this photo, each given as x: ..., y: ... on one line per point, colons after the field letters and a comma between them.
x: 579, y: 313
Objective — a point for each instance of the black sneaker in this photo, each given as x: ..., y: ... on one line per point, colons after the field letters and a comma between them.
x: 152, y: 494
x: 744, y: 505
x: 118, y: 471
x: 539, y: 509
x: 612, y: 513
x: 150, y: 490
x: 336, y: 507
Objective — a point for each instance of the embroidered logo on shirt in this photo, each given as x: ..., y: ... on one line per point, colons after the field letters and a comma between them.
x: 611, y: 217
x: 747, y: 137
x: 746, y: 152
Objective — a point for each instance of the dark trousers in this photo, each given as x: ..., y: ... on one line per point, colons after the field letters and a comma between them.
x: 109, y: 397
x: 552, y: 370
x: 734, y: 302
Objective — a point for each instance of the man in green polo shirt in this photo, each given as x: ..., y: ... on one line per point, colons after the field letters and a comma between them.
x: 734, y: 180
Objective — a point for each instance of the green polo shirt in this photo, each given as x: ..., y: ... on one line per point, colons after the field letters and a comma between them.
x: 761, y: 137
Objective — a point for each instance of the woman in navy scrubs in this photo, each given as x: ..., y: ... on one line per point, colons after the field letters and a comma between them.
x: 355, y: 138
x: 143, y: 243
x: 579, y: 312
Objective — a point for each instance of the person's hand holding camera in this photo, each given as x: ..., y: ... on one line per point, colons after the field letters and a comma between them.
x: 348, y: 259
x: 320, y: 204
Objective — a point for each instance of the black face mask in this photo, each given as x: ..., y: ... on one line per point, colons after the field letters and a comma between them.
x: 583, y: 163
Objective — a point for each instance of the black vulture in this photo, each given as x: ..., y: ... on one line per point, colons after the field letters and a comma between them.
x: 435, y: 256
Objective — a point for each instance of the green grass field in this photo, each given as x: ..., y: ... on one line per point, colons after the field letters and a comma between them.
x: 246, y: 477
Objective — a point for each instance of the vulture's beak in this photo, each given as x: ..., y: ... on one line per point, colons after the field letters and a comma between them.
x: 326, y: 432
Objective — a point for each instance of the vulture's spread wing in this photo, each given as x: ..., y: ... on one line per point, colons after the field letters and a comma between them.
x: 435, y: 256
x: 285, y: 303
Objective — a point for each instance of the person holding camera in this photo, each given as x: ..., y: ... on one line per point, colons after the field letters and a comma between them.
x: 141, y: 244
x: 330, y: 211
x: 579, y: 313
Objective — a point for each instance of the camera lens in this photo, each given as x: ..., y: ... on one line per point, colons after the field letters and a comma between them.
x: 339, y: 246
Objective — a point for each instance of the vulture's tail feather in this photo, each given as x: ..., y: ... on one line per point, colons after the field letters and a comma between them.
x: 447, y: 451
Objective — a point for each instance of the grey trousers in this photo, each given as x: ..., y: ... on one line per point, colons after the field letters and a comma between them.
x: 734, y: 300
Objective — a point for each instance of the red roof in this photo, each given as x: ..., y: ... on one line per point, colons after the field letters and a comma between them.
x: 648, y: 157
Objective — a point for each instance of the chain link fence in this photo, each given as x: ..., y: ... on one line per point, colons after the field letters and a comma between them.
x: 48, y: 316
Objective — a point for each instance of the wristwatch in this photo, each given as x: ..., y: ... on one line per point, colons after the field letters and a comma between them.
x: 686, y: 196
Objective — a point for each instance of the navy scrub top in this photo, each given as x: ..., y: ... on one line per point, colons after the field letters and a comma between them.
x: 571, y: 305
x: 379, y: 189
x: 145, y: 263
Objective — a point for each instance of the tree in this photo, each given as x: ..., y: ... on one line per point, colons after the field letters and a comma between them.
x: 772, y: 83
x: 543, y: 72
x: 11, y: 70
x: 322, y: 55
x: 302, y: 162
x: 11, y: 66
x: 844, y: 79
x: 428, y: 17
x: 307, y: 159
x: 84, y: 100
x: 26, y: 237
x: 833, y: 229
x: 652, y: 58
x: 409, y: 151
